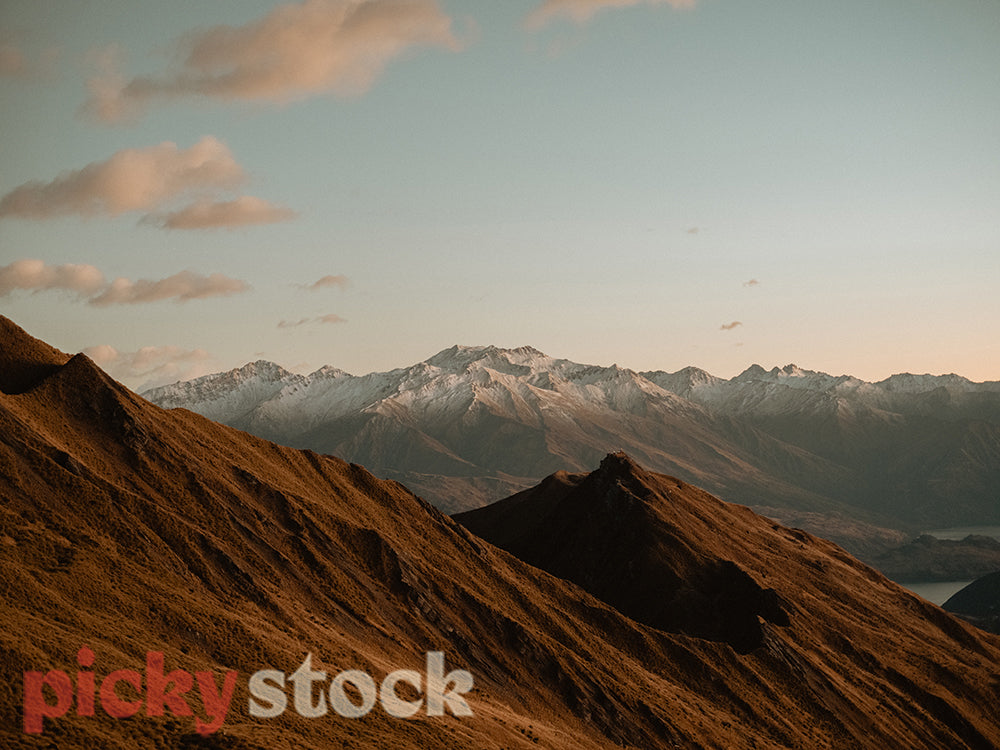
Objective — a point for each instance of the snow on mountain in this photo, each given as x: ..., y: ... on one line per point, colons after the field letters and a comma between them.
x: 472, y: 424
x: 683, y: 382
x: 909, y: 383
x: 531, y: 387
x: 227, y: 396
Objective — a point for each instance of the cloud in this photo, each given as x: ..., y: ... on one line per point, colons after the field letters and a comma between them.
x: 730, y: 326
x: 89, y: 284
x: 582, y: 11
x: 752, y: 282
x: 208, y: 214
x: 339, y: 281
x: 16, y: 64
x: 151, y: 365
x: 36, y: 275
x: 105, y: 102
x: 12, y: 61
x: 295, y: 51
x: 331, y: 318
x: 322, y: 319
x: 130, y: 180
x: 180, y: 287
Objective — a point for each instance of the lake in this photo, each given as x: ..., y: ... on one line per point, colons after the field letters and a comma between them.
x: 938, y: 592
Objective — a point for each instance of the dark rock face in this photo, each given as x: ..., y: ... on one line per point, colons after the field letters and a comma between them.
x: 26, y: 360
x: 611, y: 533
x: 723, y: 603
x: 979, y: 603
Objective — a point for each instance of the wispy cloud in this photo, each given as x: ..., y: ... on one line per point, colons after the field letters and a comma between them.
x: 730, y: 326
x: 751, y: 282
x: 35, y: 275
x: 208, y: 214
x: 582, y: 11
x: 295, y: 51
x: 341, y: 282
x: 105, y: 102
x: 13, y: 63
x: 90, y: 284
x: 130, y: 180
x: 322, y: 319
x: 331, y: 318
x: 37, y: 66
x: 181, y: 287
x: 151, y: 365
x: 150, y: 180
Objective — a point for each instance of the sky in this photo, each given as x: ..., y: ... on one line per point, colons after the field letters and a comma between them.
x: 189, y: 186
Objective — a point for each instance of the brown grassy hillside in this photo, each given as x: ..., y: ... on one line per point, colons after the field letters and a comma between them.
x: 129, y: 529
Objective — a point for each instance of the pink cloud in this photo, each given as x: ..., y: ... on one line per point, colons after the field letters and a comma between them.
x: 181, y: 287
x: 295, y: 51
x: 208, y: 214
x: 130, y: 180
x: 730, y: 326
x: 331, y: 318
x: 151, y: 365
x: 89, y: 283
x: 12, y: 61
x: 35, y: 275
x: 330, y: 280
x: 105, y: 103
x: 582, y: 11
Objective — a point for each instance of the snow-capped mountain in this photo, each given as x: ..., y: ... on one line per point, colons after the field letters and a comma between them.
x: 474, y: 423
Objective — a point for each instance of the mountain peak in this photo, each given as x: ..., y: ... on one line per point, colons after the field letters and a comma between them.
x: 24, y: 360
x: 753, y: 372
x: 459, y: 357
x: 684, y: 381
x: 660, y: 566
x: 910, y: 383
x: 619, y: 464
x: 328, y: 371
x: 263, y: 368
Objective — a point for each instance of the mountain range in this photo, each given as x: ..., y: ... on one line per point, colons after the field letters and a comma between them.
x: 654, y: 615
x: 850, y: 459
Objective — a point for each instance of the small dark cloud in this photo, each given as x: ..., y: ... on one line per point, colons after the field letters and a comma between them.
x: 730, y: 326
x: 329, y: 318
x: 694, y: 230
x: 342, y: 282
x: 752, y: 282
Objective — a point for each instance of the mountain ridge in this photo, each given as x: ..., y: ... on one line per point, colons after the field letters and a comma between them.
x: 470, y: 425
x: 130, y: 529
